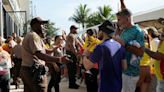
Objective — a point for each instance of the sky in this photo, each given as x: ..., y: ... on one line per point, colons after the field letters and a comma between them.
x: 59, y: 11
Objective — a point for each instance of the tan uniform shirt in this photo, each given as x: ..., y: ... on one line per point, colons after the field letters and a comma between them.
x: 30, y: 45
x: 71, y: 43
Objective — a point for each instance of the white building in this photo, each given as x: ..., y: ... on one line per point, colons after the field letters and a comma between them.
x: 152, y: 14
x: 13, y: 17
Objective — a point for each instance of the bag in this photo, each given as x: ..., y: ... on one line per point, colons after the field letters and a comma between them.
x: 38, y: 71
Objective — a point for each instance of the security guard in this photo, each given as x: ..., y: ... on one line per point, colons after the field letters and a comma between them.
x: 34, y: 57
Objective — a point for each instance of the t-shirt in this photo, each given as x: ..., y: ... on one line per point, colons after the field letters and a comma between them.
x: 108, y: 55
x: 5, y: 63
x: 90, y: 43
x: 157, y: 63
x: 130, y: 34
x: 31, y: 44
x: 145, y: 61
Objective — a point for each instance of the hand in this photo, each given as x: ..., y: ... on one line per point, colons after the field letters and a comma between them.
x: 65, y: 59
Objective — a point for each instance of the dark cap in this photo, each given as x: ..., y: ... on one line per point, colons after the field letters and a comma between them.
x: 38, y: 20
x: 107, y: 27
x: 73, y: 27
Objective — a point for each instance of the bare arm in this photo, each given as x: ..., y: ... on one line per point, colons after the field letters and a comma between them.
x: 133, y: 49
x: 49, y: 58
x: 49, y: 51
x: 124, y: 64
x: 155, y: 55
x: 87, y: 63
x: 137, y: 51
x: 122, y: 4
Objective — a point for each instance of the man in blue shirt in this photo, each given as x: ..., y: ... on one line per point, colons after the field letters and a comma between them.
x: 110, y: 56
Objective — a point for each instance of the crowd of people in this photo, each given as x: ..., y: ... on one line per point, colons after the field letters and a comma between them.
x: 118, y: 57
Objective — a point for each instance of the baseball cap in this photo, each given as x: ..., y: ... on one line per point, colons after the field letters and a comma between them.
x: 107, y: 27
x: 73, y: 27
x: 38, y: 20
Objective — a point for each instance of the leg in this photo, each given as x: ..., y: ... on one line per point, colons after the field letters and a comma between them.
x: 5, y: 83
x: 72, y: 71
x: 30, y: 85
x: 129, y: 83
x: 57, y: 88
x: 51, y: 83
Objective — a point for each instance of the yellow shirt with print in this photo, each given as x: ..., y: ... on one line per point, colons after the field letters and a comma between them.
x: 90, y: 43
x: 145, y: 61
x: 157, y: 63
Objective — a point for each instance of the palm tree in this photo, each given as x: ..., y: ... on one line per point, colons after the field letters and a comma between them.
x: 51, y: 29
x: 81, y: 15
x: 105, y: 13
x: 93, y: 19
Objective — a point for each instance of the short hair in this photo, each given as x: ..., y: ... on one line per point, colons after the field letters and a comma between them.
x: 124, y: 12
x: 154, y: 32
x: 57, y: 36
x: 90, y: 32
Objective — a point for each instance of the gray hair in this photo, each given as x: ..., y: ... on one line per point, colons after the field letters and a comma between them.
x: 124, y: 12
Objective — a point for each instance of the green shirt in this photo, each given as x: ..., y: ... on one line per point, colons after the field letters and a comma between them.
x: 130, y: 34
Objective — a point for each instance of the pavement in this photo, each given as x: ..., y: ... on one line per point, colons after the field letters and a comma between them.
x: 63, y: 87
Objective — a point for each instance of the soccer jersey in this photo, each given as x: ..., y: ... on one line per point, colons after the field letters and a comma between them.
x: 130, y: 34
x: 109, y: 55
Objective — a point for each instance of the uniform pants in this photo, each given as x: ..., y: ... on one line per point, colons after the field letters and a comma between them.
x: 30, y: 85
x: 72, y: 68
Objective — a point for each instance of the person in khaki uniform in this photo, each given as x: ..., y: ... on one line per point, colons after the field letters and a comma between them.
x: 33, y: 54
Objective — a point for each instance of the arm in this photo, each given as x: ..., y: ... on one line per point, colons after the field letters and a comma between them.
x: 93, y: 57
x: 87, y: 63
x: 124, y: 64
x: 155, y: 55
x: 137, y: 51
x: 49, y: 58
x: 49, y: 51
x: 46, y: 57
x: 122, y: 4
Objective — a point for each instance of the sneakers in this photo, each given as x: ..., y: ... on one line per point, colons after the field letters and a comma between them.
x: 75, y: 86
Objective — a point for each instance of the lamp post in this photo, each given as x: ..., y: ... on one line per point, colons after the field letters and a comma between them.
x: 25, y: 16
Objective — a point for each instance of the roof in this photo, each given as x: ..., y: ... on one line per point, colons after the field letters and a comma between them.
x: 152, y: 14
